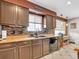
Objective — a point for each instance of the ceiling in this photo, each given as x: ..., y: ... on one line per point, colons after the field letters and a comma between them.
x: 61, y: 7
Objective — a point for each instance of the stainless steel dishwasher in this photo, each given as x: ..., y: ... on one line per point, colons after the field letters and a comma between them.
x: 53, y: 44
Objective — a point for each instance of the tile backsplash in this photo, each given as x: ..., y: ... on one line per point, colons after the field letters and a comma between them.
x: 13, y: 30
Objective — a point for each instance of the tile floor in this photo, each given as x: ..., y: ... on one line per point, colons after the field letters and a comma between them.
x: 67, y: 52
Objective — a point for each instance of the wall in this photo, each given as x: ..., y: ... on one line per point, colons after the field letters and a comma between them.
x: 74, y: 33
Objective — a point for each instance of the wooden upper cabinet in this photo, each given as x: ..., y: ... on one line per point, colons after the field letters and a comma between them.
x: 50, y: 22
x: 12, y: 14
x: 8, y: 13
x: 54, y: 21
x: 22, y: 16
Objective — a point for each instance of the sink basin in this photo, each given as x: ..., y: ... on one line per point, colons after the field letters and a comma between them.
x: 41, y: 36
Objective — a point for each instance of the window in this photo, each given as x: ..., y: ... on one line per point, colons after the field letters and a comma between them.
x: 35, y: 23
x: 60, y: 27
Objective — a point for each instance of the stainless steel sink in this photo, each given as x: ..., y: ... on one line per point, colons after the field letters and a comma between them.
x: 42, y: 36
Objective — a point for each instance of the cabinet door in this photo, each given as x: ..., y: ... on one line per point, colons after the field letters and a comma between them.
x: 8, y: 53
x: 23, y: 15
x: 25, y: 51
x: 8, y: 13
x: 54, y: 22
x: 37, y: 49
x: 45, y: 46
x: 50, y: 22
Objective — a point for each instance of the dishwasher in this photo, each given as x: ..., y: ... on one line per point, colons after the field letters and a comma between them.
x: 53, y: 43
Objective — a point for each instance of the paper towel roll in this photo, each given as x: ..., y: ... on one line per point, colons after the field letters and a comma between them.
x: 4, y: 34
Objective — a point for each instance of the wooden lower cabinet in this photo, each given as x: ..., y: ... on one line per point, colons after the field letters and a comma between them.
x: 33, y: 49
x: 8, y: 52
x: 45, y: 46
x: 37, y: 49
x: 24, y: 50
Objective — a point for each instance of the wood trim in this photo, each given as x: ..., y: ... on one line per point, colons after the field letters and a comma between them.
x: 35, y: 13
x: 60, y: 18
x: 65, y: 28
x: 32, y: 6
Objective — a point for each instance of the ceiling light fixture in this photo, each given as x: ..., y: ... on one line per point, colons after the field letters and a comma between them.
x: 69, y: 3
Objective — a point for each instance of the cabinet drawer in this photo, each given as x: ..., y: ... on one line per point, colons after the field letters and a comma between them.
x: 24, y: 43
x: 7, y: 45
x: 36, y: 41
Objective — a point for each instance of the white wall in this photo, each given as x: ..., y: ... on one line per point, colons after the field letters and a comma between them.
x: 74, y: 33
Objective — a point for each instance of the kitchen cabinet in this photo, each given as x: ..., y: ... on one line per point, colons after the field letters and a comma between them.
x: 45, y: 46
x: 32, y: 49
x: 22, y: 15
x: 36, y: 49
x: 50, y: 22
x: 54, y: 21
x: 8, y: 51
x: 27, y: 4
x: 12, y: 14
x: 25, y: 50
x: 8, y: 13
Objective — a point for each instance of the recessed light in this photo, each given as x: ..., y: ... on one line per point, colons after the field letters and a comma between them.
x: 69, y: 3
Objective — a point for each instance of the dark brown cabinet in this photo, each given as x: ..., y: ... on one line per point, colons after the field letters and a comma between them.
x: 11, y: 14
x: 8, y: 51
x: 45, y: 46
